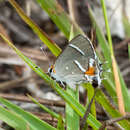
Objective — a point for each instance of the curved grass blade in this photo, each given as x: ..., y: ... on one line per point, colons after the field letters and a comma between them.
x: 102, y: 100
x: 53, y: 114
x: 42, y: 35
x: 13, y: 120
x: 33, y: 121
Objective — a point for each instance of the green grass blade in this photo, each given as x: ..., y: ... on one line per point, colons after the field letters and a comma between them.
x: 102, y: 100
x: 59, y: 17
x: 117, y: 82
x: 60, y: 125
x: 13, y: 120
x: 53, y: 114
x: 77, y: 107
x: 107, y: 27
x: 127, y: 31
x: 109, y: 82
x: 126, y: 26
x: 125, y: 92
x: 69, y: 99
x: 32, y: 120
x: 42, y: 35
x: 72, y: 118
x: 129, y: 50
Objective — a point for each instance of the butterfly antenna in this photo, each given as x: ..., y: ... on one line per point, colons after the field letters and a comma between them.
x: 45, y: 53
x: 43, y: 50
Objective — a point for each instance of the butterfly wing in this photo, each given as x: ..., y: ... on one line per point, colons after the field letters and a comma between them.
x: 79, y: 49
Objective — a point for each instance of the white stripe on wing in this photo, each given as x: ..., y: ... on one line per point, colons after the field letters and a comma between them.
x: 75, y: 47
x: 79, y: 65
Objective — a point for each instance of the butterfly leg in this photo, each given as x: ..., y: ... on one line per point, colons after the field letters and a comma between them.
x: 62, y: 83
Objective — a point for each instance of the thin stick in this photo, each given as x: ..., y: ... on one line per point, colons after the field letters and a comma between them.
x: 21, y: 98
x: 83, y: 120
x: 71, y: 7
x: 112, y: 121
x: 118, y: 87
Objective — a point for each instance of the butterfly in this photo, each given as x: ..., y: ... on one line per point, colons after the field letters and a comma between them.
x: 78, y: 63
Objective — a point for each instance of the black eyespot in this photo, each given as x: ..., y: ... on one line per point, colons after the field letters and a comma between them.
x: 95, y: 82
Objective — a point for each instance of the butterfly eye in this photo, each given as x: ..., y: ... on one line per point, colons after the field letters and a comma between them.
x: 50, y: 70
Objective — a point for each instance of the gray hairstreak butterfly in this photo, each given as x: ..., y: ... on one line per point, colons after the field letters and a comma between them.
x: 78, y: 63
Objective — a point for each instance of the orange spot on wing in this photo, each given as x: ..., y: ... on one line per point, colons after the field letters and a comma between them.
x: 90, y: 71
x: 53, y: 68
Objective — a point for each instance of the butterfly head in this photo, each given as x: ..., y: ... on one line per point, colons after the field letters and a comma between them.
x: 51, y: 70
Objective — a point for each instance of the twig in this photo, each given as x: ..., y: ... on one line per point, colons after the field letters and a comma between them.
x: 118, y: 87
x: 123, y: 43
x: 44, y: 116
x: 72, y: 10
x: 112, y: 121
x: 9, y: 84
x: 22, y: 98
x: 83, y: 121
x: 32, y: 53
